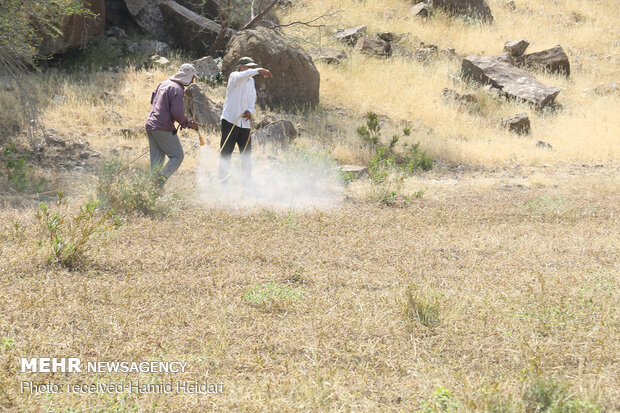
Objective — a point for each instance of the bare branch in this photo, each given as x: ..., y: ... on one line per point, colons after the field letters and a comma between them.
x: 260, y: 15
x: 309, y: 23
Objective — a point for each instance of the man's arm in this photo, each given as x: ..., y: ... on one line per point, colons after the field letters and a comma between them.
x: 177, y: 110
x: 237, y: 78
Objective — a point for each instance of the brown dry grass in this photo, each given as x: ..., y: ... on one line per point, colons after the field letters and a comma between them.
x: 518, y: 263
x: 524, y: 279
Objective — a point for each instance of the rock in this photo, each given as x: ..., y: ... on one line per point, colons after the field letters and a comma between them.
x: 451, y: 95
x: 356, y: 170
x: 112, y: 116
x: 516, y: 47
x: 281, y: 133
x: 554, y: 60
x: 295, y: 78
x: 159, y: 61
x: 200, y: 108
x: 77, y: 31
x: 544, y: 145
x: 153, y: 47
x: 189, y: 30
x: 206, y: 67
x: 148, y: 17
x: 350, y: 35
x: 327, y: 55
x: 421, y: 10
x: 519, y: 123
x: 477, y: 9
x: 375, y: 47
x: 401, y: 51
x: 512, y: 81
x: 54, y: 140
x: 390, y: 36
x: 506, y: 58
x: 510, y: 5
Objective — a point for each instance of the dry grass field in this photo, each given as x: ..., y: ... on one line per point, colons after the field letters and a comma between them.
x: 488, y: 284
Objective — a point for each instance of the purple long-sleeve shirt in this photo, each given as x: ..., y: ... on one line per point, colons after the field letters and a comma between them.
x: 166, y: 107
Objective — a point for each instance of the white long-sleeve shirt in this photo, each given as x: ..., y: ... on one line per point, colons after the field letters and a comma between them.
x: 240, y: 96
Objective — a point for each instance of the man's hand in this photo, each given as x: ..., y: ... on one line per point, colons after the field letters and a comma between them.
x: 265, y: 73
x: 247, y: 115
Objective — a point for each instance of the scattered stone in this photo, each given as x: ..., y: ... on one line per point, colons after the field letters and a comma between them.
x: 544, y: 145
x: 327, y: 55
x: 281, y: 133
x: 159, y: 61
x: 206, y: 67
x: 516, y: 47
x: 477, y: 9
x: 295, y: 78
x: 554, y: 60
x: 153, y: 47
x: 350, y: 35
x: 519, y: 123
x: 356, y: 170
x: 200, y: 108
x: 190, y: 30
x: 374, y: 47
x: 421, y: 10
x: 112, y: 116
x: 506, y: 58
x: 605, y: 89
x: 54, y: 140
x: 510, y: 5
x: 390, y: 36
x: 451, y: 95
x: 401, y: 51
x: 512, y: 81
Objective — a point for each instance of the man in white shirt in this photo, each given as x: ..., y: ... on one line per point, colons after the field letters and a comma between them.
x: 238, y: 110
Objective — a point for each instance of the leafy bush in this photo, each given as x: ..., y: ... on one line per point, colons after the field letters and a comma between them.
x: 544, y: 394
x: 385, y: 159
x: 443, y: 401
x: 68, y: 236
x: 129, y: 190
x: 18, y: 175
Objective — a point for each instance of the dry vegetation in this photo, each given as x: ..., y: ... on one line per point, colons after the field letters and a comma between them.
x: 495, y: 291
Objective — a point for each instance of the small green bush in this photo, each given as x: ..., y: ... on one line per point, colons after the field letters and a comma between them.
x: 443, y: 401
x: 68, y: 236
x: 129, y: 190
x: 18, y: 176
x: 545, y: 395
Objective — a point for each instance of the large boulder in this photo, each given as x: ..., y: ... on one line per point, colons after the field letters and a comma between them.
x: 148, y: 17
x: 554, y: 60
x: 511, y: 81
x: 240, y: 11
x: 199, y: 107
x: 477, y: 9
x: 189, y: 30
x: 295, y: 78
x: 76, y: 31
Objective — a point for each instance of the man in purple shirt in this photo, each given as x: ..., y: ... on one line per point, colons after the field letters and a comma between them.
x: 167, y: 107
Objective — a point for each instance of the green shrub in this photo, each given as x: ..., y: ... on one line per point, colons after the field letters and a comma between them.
x: 443, y: 401
x: 18, y: 176
x: 67, y: 235
x: 129, y: 190
x: 385, y: 160
x: 544, y: 394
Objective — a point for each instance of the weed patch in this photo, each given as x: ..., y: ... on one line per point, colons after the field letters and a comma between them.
x: 273, y: 295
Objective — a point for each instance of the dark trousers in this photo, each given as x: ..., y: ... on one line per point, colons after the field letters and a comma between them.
x: 241, y: 138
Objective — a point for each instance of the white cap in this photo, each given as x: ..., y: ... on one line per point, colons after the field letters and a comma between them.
x: 185, y: 74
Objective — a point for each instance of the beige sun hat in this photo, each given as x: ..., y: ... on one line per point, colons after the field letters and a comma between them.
x: 246, y: 61
x: 185, y: 74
